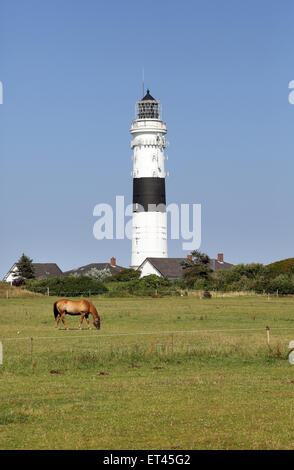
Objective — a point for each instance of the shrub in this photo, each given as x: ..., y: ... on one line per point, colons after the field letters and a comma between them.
x: 153, y: 282
x: 124, y: 276
x: 148, y: 285
x: 250, y: 271
x: 200, y: 284
x: 99, y: 274
x: 282, y: 283
x: 240, y: 277
x: 67, y: 286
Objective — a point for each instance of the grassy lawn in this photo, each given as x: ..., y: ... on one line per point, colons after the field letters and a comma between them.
x: 173, y: 387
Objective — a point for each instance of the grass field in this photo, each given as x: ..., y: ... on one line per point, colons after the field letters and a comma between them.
x: 158, y: 375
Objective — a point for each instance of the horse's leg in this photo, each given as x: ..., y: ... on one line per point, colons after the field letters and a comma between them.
x: 81, y: 320
x: 63, y: 320
x: 57, y: 320
x: 88, y: 322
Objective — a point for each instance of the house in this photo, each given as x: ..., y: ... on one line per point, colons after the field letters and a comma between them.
x: 83, y: 270
x: 219, y: 264
x: 171, y: 268
x: 48, y: 270
x: 42, y: 271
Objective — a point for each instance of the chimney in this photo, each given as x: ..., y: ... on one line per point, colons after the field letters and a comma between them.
x: 189, y: 257
x: 220, y: 257
x: 113, y: 261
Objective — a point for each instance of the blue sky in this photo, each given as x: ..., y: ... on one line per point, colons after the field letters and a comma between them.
x: 71, y: 72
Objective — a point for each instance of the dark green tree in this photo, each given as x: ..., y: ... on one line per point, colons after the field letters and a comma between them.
x: 197, y: 268
x: 25, y: 270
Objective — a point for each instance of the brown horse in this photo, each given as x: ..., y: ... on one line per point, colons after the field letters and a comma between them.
x: 76, y: 307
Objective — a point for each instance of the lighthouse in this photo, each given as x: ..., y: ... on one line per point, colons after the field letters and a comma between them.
x: 149, y: 224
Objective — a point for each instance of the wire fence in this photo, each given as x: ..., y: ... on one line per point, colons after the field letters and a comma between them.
x: 113, y: 293
x: 171, y: 333
x: 149, y: 333
x: 10, y: 293
x: 52, y: 351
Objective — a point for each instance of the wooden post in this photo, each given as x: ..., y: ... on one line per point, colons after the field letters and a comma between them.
x: 48, y: 291
x: 7, y: 294
x: 32, y: 362
x: 1, y: 353
x: 268, y: 335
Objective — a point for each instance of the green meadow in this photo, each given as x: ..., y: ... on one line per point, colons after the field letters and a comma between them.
x: 162, y: 373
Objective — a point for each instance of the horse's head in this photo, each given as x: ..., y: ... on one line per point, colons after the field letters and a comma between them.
x: 96, y: 323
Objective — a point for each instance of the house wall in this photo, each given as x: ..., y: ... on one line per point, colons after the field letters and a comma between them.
x: 9, y: 277
x: 148, y: 269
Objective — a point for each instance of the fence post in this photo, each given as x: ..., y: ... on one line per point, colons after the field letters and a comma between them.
x: 1, y: 353
x: 33, y: 365
x: 48, y: 291
x: 268, y: 335
x: 7, y: 294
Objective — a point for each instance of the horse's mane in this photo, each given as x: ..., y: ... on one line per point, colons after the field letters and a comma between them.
x: 93, y: 310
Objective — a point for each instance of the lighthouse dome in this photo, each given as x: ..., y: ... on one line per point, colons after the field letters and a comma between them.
x: 148, y: 107
x: 148, y: 97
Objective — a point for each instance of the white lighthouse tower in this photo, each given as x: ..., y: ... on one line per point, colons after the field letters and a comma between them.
x: 149, y: 236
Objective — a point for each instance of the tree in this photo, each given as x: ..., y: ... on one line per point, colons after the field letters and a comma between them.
x: 99, y: 274
x: 25, y: 270
x: 198, y: 258
x: 197, y: 268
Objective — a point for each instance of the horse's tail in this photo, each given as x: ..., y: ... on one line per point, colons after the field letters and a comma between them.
x: 55, y: 310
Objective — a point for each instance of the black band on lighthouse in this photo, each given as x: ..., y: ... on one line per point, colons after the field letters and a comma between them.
x: 149, y: 193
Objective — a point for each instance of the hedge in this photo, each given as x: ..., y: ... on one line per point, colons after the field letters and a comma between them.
x: 67, y: 286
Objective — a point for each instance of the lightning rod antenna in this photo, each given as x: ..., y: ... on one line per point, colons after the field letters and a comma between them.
x: 143, y: 81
